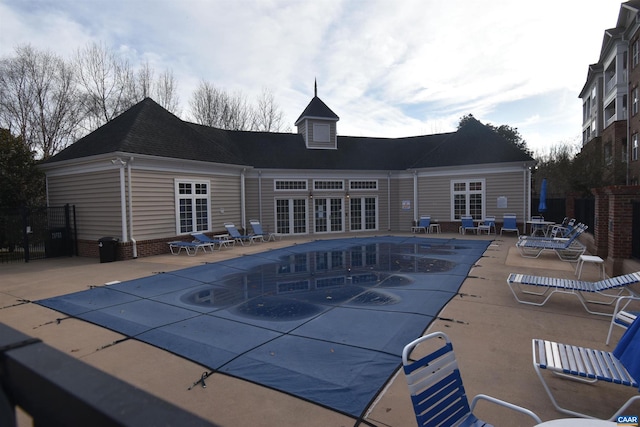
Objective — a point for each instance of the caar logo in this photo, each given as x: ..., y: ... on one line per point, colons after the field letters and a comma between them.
x: 628, y: 420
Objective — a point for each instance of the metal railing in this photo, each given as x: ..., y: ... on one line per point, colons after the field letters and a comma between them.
x: 58, y: 390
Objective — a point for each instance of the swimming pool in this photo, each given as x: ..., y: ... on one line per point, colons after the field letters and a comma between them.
x: 325, y: 321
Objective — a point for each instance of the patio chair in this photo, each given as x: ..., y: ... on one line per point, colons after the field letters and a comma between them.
x: 423, y: 225
x: 206, y: 240
x: 621, y: 366
x: 509, y: 224
x: 623, y: 316
x: 567, y: 249
x: 257, y: 230
x: 235, y: 234
x: 611, y: 289
x: 467, y: 224
x: 436, y: 388
x: 487, y: 224
x: 189, y: 247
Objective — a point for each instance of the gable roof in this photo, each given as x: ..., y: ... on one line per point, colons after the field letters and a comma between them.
x: 317, y: 110
x: 149, y: 129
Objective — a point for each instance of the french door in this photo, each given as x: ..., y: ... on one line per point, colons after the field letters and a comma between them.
x: 291, y: 216
x: 363, y: 213
x: 328, y: 215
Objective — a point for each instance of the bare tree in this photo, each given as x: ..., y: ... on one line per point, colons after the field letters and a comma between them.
x: 39, y: 100
x: 145, y: 81
x: 267, y: 115
x: 107, y: 82
x: 167, y: 92
x: 214, y: 107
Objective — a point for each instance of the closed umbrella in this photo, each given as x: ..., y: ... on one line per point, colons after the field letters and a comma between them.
x: 542, y: 206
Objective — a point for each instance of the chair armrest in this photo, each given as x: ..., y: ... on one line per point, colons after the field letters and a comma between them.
x: 506, y: 405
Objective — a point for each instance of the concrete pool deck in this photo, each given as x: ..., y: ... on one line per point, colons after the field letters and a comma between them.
x: 490, y: 331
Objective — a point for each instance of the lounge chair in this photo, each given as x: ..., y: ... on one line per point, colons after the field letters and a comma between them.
x: 509, y: 224
x: 467, y: 224
x: 623, y: 316
x: 559, y: 233
x: 206, y: 240
x: 257, y: 230
x: 190, y: 248
x: 621, y: 366
x: 436, y: 388
x: 611, y: 288
x: 567, y: 249
x: 423, y: 225
x: 487, y: 224
x: 235, y: 234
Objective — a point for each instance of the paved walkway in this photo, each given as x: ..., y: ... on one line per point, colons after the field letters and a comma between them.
x: 490, y: 331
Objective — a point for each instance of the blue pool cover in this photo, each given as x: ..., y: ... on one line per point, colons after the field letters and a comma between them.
x: 325, y: 321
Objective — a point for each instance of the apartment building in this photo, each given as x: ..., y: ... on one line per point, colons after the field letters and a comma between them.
x: 611, y: 100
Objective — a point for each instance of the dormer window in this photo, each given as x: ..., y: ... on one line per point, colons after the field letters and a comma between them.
x: 321, y: 132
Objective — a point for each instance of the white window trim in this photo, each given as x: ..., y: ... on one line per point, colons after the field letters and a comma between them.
x: 467, y: 192
x: 193, y: 197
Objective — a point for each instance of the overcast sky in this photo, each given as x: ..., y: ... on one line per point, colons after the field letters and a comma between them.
x: 387, y: 68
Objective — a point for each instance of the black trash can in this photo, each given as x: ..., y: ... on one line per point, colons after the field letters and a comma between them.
x: 108, y: 248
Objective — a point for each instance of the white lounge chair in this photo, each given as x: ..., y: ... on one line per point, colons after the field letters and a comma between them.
x: 436, y: 388
x: 567, y: 249
x: 621, y: 366
x: 623, y: 314
x: 611, y: 288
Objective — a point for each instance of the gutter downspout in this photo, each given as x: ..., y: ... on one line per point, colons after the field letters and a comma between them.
x: 123, y: 198
x: 389, y: 201
x: 415, y: 195
x: 242, y: 199
x: 133, y: 240
x: 260, y: 195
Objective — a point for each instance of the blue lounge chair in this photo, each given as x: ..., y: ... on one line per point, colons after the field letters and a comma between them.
x: 235, y: 234
x: 258, y: 231
x: 509, y: 223
x: 206, y: 240
x: 621, y: 366
x: 189, y: 247
x: 611, y: 288
x: 436, y: 388
x: 467, y: 224
x: 423, y: 225
x: 567, y: 249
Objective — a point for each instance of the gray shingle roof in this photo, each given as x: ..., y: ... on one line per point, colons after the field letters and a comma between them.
x: 149, y: 129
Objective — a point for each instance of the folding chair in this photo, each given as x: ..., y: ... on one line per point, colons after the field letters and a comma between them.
x: 509, y: 223
x: 436, y: 388
x: 423, y: 225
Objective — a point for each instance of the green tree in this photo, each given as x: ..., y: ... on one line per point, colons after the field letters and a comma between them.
x: 22, y: 182
x: 511, y: 134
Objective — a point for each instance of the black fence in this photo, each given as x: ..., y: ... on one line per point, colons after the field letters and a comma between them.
x: 556, y: 209
x: 585, y: 210
x: 57, y: 390
x: 37, y: 232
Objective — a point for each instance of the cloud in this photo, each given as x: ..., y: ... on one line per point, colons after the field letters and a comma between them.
x: 387, y: 68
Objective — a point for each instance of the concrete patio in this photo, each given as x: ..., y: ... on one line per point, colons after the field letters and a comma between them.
x: 490, y: 331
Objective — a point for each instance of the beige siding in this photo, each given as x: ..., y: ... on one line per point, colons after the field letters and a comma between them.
x: 403, y: 191
x: 226, y: 205
x: 434, y: 197
x: 153, y: 205
x: 96, y: 196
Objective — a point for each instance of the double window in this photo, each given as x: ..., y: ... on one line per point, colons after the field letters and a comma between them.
x: 467, y: 198
x: 192, y: 206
